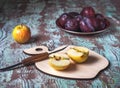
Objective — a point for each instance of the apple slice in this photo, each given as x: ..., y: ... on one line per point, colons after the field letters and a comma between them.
x: 78, y: 54
x: 59, y: 61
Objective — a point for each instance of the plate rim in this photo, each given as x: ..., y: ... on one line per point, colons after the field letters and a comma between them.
x: 81, y: 33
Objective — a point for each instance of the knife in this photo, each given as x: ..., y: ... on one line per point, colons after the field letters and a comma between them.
x: 32, y: 59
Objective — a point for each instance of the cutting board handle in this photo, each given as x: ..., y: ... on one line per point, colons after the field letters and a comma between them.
x: 36, y: 50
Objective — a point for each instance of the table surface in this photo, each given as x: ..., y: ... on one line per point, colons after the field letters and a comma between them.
x: 40, y: 16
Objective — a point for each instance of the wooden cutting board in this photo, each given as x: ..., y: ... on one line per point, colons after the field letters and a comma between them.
x: 87, y: 70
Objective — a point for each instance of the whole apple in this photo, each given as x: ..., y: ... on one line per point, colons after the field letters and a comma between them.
x: 21, y: 33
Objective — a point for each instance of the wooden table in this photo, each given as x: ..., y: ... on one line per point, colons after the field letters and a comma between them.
x: 40, y: 16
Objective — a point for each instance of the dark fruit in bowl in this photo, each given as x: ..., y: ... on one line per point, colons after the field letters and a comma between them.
x: 92, y: 23
x: 86, y: 21
x: 84, y: 27
x: 107, y: 23
x: 102, y: 22
x: 88, y: 12
x: 88, y: 24
x: 63, y: 18
x: 58, y: 24
x: 72, y: 25
x: 99, y: 16
x: 73, y: 14
x: 100, y: 25
x: 78, y: 18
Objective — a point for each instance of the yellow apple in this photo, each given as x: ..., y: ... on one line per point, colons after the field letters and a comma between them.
x: 78, y: 54
x: 59, y: 61
x: 21, y: 33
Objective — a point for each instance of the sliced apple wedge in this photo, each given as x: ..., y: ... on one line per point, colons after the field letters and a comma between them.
x: 78, y: 54
x: 59, y: 61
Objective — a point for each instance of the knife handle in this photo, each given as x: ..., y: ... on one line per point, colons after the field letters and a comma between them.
x: 35, y: 58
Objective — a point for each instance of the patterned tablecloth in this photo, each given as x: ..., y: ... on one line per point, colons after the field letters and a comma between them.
x: 40, y: 16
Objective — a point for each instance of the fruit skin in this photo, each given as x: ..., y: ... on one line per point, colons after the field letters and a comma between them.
x: 103, y: 22
x: 78, y: 54
x: 100, y: 21
x: 88, y: 12
x: 73, y: 14
x: 63, y: 18
x: 72, y: 25
x: 21, y: 33
x: 88, y: 24
x: 78, y: 18
x: 84, y: 27
x: 107, y: 23
x: 59, y: 61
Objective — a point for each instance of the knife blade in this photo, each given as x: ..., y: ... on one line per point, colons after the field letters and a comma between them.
x: 32, y: 59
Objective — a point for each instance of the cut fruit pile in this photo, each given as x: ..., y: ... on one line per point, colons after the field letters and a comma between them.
x: 62, y: 61
x: 85, y: 21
